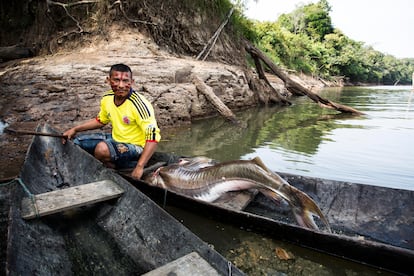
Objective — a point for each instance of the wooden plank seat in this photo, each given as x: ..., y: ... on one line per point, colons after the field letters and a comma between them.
x: 65, y: 199
x: 190, y: 264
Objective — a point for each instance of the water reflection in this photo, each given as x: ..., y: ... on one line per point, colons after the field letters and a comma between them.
x: 309, y: 140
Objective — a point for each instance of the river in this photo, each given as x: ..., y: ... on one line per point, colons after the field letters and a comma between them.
x: 376, y: 148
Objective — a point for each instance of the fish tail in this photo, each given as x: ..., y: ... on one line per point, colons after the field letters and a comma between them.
x: 303, y: 207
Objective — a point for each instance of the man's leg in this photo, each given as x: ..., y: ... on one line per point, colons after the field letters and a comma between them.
x: 103, y: 154
x: 89, y: 141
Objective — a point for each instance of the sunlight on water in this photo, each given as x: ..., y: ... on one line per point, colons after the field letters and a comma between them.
x: 376, y: 148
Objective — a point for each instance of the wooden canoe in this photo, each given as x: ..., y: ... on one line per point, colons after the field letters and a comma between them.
x: 126, y: 234
x: 371, y: 225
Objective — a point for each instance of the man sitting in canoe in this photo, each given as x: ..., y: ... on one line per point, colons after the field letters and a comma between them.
x: 135, y: 133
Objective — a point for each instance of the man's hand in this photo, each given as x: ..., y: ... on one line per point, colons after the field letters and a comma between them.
x: 88, y: 125
x: 137, y: 172
x: 69, y: 134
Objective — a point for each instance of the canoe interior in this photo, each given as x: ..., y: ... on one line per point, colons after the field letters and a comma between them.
x: 363, y: 211
x: 371, y: 225
x: 129, y: 235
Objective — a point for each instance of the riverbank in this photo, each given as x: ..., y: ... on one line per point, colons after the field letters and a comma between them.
x: 65, y: 88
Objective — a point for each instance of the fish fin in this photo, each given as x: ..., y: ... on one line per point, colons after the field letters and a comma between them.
x: 196, y: 163
x: 260, y: 163
x: 273, y: 195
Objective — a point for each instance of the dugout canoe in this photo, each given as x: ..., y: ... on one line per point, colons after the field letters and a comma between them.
x: 127, y: 235
x: 371, y: 225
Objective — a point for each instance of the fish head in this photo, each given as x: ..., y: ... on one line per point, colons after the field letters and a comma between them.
x: 155, y: 179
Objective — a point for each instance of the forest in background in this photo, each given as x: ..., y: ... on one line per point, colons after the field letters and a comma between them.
x: 306, y: 41
x: 303, y: 41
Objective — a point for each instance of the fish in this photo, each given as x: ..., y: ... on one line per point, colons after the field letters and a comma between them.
x: 205, y: 179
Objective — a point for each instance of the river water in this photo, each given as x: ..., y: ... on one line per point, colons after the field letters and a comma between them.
x: 376, y: 148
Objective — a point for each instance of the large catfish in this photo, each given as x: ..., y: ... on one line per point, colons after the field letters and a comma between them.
x: 205, y: 180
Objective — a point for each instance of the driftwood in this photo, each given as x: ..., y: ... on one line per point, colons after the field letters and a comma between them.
x: 262, y: 76
x: 293, y: 86
x: 208, y: 92
x: 14, y: 52
x: 212, y: 41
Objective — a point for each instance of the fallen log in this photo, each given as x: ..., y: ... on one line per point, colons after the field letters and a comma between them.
x: 262, y: 76
x: 208, y: 92
x: 295, y: 87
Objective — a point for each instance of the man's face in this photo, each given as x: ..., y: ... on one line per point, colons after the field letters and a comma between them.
x: 120, y: 82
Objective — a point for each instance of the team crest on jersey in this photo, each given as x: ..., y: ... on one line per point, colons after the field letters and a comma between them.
x: 126, y: 120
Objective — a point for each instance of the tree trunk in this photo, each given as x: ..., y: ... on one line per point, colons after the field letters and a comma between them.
x: 293, y: 86
x: 262, y: 76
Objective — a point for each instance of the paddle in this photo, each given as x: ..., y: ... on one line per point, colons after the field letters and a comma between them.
x: 24, y: 132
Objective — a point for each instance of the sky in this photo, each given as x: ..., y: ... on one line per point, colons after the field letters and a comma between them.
x: 386, y: 25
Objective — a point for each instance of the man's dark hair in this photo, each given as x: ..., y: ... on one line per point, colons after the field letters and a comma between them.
x: 120, y: 67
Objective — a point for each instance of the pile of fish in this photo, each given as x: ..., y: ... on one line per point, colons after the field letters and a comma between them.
x: 204, y: 179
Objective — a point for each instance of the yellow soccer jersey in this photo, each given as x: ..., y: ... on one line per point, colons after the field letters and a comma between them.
x: 133, y: 122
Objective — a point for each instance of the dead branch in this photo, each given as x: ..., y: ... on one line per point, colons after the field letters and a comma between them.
x: 68, y: 5
x: 212, y: 41
x: 208, y: 92
x: 294, y: 86
x: 71, y: 4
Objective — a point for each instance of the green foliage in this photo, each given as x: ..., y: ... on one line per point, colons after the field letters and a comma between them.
x: 306, y: 41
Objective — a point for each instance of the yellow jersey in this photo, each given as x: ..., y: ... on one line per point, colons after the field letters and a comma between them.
x: 133, y: 122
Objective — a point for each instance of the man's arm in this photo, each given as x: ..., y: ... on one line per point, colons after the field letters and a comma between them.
x: 149, y: 149
x: 90, y: 124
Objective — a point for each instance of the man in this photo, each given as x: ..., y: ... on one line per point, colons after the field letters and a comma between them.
x: 135, y: 133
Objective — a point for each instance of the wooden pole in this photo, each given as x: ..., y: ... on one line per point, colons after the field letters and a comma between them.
x: 214, y: 38
x: 24, y: 132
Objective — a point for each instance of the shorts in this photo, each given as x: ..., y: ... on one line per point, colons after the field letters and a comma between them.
x: 123, y: 155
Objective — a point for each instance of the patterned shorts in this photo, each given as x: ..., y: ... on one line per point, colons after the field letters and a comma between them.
x: 123, y: 155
